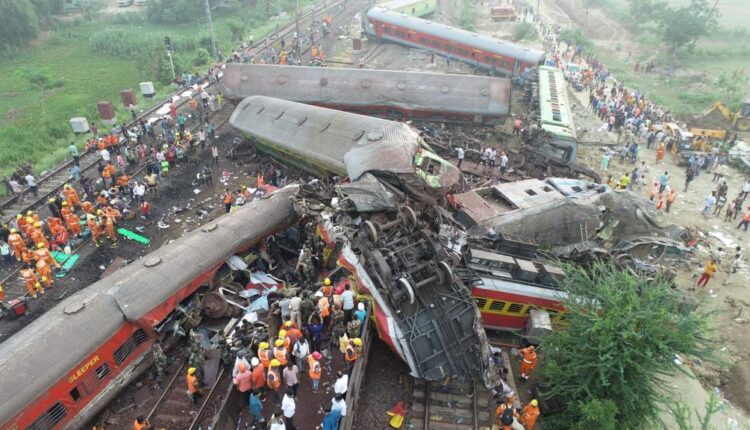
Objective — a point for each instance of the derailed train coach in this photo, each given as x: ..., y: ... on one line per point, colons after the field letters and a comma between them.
x: 390, y: 94
x: 329, y: 142
x: 63, y: 368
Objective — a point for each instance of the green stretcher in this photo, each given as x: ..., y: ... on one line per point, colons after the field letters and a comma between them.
x: 134, y: 236
x: 66, y: 261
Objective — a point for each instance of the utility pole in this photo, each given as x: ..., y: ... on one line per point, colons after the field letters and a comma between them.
x: 211, y: 29
x: 168, y: 45
x: 296, y: 30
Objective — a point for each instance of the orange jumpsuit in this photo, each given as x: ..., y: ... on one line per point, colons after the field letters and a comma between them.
x: 73, y: 223
x: 43, y: 269
x: 65, y: 210
x: 44, y: 254
x: 71, y: 196
x: 28, y: 256
x: 279, y: 353
x: 529, y: 416
x: 112, y: 212
x: 61, y: 238
x: 96, y: 230
x: 87, y: 207
x: 528, y: 361
x: 109, y: 227
x: 38, y: 237
x: 53, y: 223
x: 264, y: 355
x: 30, y: 280
x: 17, y: 243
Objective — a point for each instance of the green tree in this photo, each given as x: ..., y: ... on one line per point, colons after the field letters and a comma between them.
x: 236, y: 29
x: 621, y: 336
x: 19, y: 23
x: 683, y: 26
x: 41, y: 82
x: 733, y: 85
x: 643, y: 11
x: 523, y: 31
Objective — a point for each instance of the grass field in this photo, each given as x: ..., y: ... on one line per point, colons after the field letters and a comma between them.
x: 30, y: 133
x: 734, y: 13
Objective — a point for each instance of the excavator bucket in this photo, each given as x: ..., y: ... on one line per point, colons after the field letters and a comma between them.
x: 713, y: 118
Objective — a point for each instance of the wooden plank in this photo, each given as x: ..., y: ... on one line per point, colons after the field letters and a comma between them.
x: 437, y: 411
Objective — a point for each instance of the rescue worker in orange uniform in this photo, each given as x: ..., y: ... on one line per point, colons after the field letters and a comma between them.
x: 530, y: 414
x: 528, y: 361
x: 33, y: 216
x: 37, y: 235
x: 2, y: 294
x: 42, y: 253
x: 228, y: 198
x: 28, y: 227
x: 258, y: 378
x: 273, y: 380
x: 287, y: 341
x: 279, y: 352
x: 71, y: 196
x: 94, y: 228
x: 60, y: 239
x: 264, y: 354
x: 87, y: 207
x: 193, y: 385
x: 28, y: 256
x: 109, y: 227
x: 141, y: 423
x: 65, y: 209
x: 315, y: 369
x: 20, y: 222
x: 53, y: 224
x: 43, y: 270
x: 73, y: 223
x: 114, y: 213
x: 31, y: 282
x: 17, y: 243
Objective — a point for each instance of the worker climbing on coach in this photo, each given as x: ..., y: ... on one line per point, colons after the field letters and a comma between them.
x: 530, y: 414
x: 528, y: 361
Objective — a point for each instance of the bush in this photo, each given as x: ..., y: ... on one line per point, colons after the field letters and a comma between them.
x: 577, y: 38
x: 524, y: 31
x: 202, y: 57
x: 55, y: 130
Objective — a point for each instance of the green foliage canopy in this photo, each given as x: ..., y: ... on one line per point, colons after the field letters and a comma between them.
x: 622, y: 334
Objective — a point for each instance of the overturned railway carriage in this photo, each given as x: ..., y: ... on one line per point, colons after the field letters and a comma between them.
x: 59, y: 371
x: 388, y: 94
x: 411, y: 7
x: 497, y: 56
x: 324, y: 141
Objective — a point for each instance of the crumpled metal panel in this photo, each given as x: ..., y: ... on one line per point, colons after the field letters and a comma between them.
x: 420, y: 91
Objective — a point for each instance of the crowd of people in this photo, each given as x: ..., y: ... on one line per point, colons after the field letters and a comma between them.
x: 306, y: 329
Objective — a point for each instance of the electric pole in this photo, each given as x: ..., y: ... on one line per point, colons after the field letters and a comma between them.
x: 168, y: 45
x: 211, y: 29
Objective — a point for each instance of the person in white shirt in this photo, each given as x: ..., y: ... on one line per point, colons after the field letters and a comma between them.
x: 338, y: 403
x: 341, y: 384
x: 294, y: 311
x: 288, y: 406
x: 277, y: 421
x: 460, y: 152
x: 300, y: 351
x: 105, y: 155
x: 347, y: 300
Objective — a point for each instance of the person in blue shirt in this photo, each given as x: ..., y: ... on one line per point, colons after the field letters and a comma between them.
x: 256, y: 407
x: 360, y: 313
x: 331, y: 418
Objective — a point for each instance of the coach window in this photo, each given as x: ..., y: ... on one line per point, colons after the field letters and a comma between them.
x: 463, y: 52
x: 489, y: 60
x: 54, y: 415
x: 424, y: 41
x: 75, y: 395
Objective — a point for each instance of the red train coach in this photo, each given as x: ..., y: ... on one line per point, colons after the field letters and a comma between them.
x: 391, y: 94
x: 497, y: 56
x: 61, y: 369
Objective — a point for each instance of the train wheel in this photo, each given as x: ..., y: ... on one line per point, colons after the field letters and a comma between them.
x: 372, y: 231
x: 445, y: 269
x: 409, y: 216
x: 405, y: 286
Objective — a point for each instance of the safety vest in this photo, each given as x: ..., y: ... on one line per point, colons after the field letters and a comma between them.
x: 228, y: 198
x: 324, y: 307
x: 138, y: 426
x: 351, y: 354
x: 192, y: 384
x: 280, y: 354
x: 264, y: 355
x: 315, y: 369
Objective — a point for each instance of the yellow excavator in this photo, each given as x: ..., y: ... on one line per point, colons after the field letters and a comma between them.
x: 739, y: 120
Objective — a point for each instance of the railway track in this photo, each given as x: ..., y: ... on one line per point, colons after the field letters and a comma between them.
x: 219, y: 117
x: 51, y: 183
x: 457, y: 406
x: 174, y: 409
